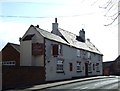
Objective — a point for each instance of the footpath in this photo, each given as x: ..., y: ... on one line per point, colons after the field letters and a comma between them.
x: 54, y: 84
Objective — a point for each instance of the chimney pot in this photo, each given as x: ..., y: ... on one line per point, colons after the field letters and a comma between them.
x: 88, y: 39
x: 55, y: 20
x: 37, y: 26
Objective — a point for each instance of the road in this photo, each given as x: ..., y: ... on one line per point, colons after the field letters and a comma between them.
x: 110, y: 84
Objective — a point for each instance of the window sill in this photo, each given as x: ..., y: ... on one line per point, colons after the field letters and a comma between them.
x: 59, y: 71
x: 55, y: 55
x: 79, y: 71
x: 97, y: 71
x: 90, y: 72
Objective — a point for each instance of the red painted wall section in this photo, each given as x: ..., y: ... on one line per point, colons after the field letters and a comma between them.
x: 10, y: 54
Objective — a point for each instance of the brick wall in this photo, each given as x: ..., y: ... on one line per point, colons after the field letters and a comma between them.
x: 10, y: 54
x: 14, y: 77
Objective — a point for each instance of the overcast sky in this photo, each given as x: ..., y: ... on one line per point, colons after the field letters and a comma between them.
x: 73, y: 15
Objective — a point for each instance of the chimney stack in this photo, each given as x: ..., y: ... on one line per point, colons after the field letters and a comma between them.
x: 55, y: 27
x: 82, y: 34
x: 37, y: 26
x: 55, y: 20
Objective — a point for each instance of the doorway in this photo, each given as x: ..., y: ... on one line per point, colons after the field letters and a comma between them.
x: 86, y: 69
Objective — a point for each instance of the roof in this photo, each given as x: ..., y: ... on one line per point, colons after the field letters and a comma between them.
x: 50, y: 36
x: 15, y: 46
x: 107, y: 64
x: 118, y: 58
x: 68, y: 38
x: 71, y: 38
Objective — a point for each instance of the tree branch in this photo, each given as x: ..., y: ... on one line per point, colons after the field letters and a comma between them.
x: 113, y: 20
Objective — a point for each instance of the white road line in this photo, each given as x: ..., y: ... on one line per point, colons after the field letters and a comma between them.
x: 84, y: 88
x: 80, y: 88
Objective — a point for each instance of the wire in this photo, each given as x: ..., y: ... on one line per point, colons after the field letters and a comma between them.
x: 11, y: 16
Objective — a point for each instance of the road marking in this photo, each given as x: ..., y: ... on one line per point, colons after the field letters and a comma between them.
x: 84, y: 88
x: 80, y: 88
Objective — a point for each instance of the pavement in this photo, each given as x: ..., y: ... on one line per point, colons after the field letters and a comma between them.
x: 59, y: 83
x: 54, y: 84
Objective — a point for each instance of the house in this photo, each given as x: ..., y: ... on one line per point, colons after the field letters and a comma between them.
x: 0, y: 56
x: 11, y: 55
x: 64, y: 55
x: 112, y: 67
x: 107, y: 67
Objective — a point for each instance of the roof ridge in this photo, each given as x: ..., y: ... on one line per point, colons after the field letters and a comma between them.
x: 46, y: 31
x: 68, y: 31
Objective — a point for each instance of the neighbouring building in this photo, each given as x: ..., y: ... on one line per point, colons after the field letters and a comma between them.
x: 107, y: 67
x: 11, y: 55
x: 64, y: 55
x: 112, y: 67
x: 0, y: 56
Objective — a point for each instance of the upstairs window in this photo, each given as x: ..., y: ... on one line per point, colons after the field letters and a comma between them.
x: 88, y: 55
x: 99, y: 58
x: 56, y: 50
x: 78, y: 53
x: 84, y: 52
x: 60, y: 49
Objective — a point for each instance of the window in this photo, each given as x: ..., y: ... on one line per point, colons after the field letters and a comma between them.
x: 59, y: 65
x: 78, y: 53
x: 84, y: 52
x: 78, y: 66
x: 94, y: 54
x: 60, y: 49
x: 89, y: 68
x: 70, y: 66
x: 88, y: 55
x: 56, y: 50
x: 9, y: 63
x: 99, y: 57
x: 97, y: 67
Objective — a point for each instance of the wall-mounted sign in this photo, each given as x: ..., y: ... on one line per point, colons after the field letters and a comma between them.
x: 37, y: 49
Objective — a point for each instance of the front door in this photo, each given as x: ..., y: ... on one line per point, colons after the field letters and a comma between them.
x: 70, y: 65
x: 86, y: 69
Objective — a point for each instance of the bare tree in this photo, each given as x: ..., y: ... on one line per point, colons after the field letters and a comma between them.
x: 112, y: 12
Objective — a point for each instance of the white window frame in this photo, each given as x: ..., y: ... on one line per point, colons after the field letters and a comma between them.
x: 78, y: 67
x: 59, y: 66
x: 59, y: 49
x: 9, y: 63
x: 88, y: 55
x: 78, y: 53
